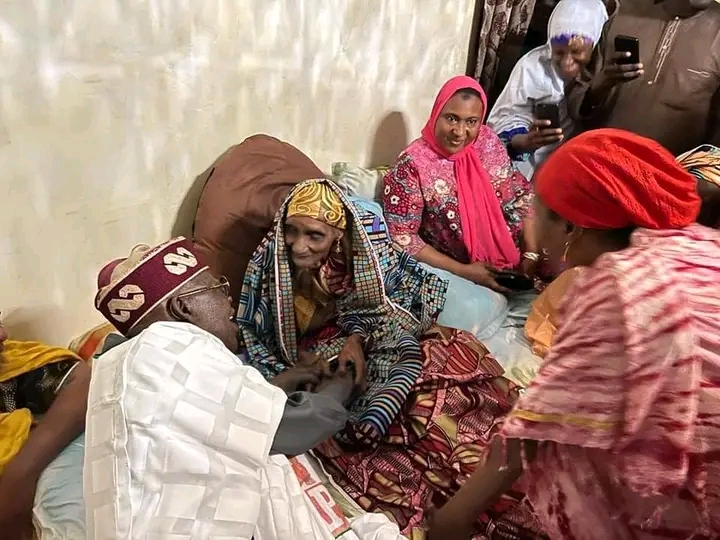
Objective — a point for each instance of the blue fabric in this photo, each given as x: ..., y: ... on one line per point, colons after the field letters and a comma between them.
x: 470, y: 307
x: 506, y: 138
x: 368, y: 205
x: 59, y: 505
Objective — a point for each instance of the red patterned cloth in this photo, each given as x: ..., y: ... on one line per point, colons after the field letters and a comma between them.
x: 437, y: 442
x: 130, y: 288
x: 627, y: 403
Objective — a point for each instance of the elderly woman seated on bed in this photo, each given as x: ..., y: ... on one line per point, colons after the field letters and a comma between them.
x: 43, y: 397
x: 327, y: 287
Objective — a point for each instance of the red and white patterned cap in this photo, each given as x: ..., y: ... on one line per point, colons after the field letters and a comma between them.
x: 129, y: 288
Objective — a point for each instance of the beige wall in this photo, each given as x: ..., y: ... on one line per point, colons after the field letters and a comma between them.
x: 110, y: 108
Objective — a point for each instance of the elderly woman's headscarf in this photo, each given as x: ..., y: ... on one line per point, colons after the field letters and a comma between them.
x: 614, y: 179
x: 318, y: 201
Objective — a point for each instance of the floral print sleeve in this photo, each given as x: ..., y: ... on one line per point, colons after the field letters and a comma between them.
x: 403, y: 205
x: 511, y: 187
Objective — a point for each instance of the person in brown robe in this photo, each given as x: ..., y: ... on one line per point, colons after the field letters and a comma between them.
x: 673, y: 95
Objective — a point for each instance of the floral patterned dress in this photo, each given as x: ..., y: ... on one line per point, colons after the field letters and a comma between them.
x: 421, y: 196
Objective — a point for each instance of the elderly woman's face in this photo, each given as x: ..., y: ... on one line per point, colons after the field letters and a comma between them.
x: 309, y: 241
x: 571, y: 58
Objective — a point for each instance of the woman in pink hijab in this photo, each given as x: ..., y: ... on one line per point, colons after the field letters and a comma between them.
x: 454, y: 200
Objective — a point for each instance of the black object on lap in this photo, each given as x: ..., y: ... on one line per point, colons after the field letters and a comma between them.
x: 514, y: 281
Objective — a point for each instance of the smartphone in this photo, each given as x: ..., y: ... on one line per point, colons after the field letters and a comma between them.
x: 514, y: 281
x: 548, y: 111
x: 628, y: 44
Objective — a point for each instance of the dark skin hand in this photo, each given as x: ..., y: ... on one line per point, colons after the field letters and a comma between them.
x: 540, y: 134
x: 63, y: 422
x: 502, y: 469
x: 352, y: 353
x: 299, y: 377
x: 614, y: 73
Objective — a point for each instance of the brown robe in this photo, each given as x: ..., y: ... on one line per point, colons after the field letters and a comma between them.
x: 677, y: 100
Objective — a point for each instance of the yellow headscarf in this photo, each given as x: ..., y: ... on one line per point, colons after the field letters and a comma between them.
x: 318, y: 201
x: 18, y: 358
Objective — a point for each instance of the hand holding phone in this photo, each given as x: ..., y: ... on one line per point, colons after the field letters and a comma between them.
x: 630, y: 46
x: 624, y: 65
x: 544, y: 130
x: 514, y: 281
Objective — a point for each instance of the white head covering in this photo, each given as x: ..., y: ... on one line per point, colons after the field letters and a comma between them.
x: 535, y: 79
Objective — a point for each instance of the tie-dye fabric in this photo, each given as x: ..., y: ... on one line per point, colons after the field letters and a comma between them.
x: 627, y: 403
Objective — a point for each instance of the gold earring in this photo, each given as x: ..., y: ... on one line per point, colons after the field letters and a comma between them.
x: 565, y: 253
x: 338, y: 247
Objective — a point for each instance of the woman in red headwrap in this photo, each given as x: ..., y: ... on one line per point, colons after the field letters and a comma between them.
x: 618, y: 437
x: 453, y: 199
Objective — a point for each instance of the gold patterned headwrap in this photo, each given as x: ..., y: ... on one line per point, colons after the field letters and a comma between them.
x: 703, y: 162
x: 318, y: 201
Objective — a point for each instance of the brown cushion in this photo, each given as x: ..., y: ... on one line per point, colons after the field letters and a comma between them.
x: 246, y: 185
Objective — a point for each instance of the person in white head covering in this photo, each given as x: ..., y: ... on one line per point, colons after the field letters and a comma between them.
x: 540, y: 77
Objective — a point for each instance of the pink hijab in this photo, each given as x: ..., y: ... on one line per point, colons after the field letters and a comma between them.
x: 484, y: 231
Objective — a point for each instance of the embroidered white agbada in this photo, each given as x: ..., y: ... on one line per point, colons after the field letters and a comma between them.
x: 177, y: 447
x: 534, y: 79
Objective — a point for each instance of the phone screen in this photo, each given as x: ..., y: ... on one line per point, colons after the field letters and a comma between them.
x: 629, y: 44
x: 548, y: 111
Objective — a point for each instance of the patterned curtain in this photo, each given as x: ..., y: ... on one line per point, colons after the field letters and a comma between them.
x: 502, y: 20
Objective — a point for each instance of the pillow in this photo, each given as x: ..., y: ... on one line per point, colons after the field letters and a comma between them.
x: 470, y: 307
x: 359, y: 181
x: 59, y: 512
x: 368, y: 205
x: 244, y: 190
x: 91, y: 342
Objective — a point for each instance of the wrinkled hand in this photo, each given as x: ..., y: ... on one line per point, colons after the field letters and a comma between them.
x: 309, y: 359
x: 615, y: 72
x: 540, y: 134
x: 17, y: 495
x: 352, y: 353
x: 299, y: 376
x: 482, y: 274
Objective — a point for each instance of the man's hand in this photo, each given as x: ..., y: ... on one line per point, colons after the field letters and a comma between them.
x: 614, y: 73
x: 17, y: 495
x: 302, y: 377
x: 352, y: 353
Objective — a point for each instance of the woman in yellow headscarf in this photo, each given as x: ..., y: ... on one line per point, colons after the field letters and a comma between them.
x: 328, y: 286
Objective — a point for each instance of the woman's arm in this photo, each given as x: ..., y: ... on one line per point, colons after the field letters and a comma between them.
x: 63, y: 422
x: 403, y: 206
x: 501, y: 470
